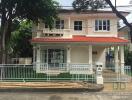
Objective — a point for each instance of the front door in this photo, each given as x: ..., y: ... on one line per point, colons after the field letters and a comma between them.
x: 53, y: 57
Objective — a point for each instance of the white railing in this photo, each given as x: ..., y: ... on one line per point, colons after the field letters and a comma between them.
x: 80, y: 69
x: 53, y: 31
x: 64, y: 67
x: 45, y: 67
x: 15, y: 65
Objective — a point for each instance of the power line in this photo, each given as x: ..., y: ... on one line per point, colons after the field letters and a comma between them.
x: 105, y: 7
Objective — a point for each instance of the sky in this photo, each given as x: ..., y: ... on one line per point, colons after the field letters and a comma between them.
x: 69, y: 2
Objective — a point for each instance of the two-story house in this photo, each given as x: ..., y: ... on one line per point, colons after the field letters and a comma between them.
x: 77, y: 42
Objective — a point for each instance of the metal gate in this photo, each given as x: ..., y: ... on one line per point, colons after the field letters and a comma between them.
x: 115, y: 76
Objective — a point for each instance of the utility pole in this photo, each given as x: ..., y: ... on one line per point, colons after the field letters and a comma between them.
x: 115, y: 3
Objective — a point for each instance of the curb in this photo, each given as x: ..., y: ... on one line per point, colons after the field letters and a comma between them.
x: 51, y: 89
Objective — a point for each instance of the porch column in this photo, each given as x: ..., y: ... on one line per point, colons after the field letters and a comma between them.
x: 69, y: 23
x: 68, y: 57
x: 90, y: 55
x: 122, y: 59
x: 34, y: 54
x: 38, y: 59
x: 116, y: 59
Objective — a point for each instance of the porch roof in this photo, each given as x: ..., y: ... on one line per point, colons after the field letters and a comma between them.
x: 81, y: 39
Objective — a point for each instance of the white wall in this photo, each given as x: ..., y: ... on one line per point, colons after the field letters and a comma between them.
x: 100, y: 56
x: 88, y: 24
x: 79, y: 54
x: 112, y: 32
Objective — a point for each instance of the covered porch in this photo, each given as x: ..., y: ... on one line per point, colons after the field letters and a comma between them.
x: 57, y: 56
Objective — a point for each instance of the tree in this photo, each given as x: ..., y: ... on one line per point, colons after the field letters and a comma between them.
x: 84, y: 5
x: 128, y: 56
x: 33, y: 10
x: 118, y: 14
x: 19, y: 45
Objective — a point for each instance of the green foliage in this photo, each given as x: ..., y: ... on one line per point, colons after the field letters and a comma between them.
x: 83, y: 5
x: 31, y: 10
x: 19, y: 44
x: 128, y: 56
x: 34, y: 10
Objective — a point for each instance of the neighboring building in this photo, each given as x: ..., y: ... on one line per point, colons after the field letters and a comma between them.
x: 124, y: 32
x: 77, y: 42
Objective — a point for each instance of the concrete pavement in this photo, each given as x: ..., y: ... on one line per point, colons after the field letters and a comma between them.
x: 66, y: 96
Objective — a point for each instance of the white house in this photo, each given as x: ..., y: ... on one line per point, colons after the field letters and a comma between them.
x: 77, y: 42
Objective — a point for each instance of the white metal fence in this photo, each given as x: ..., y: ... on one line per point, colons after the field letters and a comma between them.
x: 112, y: 74
x: 19, y: 72
x: 65, y: 72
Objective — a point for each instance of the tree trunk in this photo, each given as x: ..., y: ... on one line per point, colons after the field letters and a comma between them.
x: 0, y: 49
x: 3, y: 42
x: 118, y: 14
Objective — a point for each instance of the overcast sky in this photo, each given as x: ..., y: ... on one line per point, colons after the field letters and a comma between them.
x: 69, y: 2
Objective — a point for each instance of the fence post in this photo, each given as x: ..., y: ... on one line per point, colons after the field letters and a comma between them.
x: 99, y: 77
x: 1, y: 73
x: 24, y: 67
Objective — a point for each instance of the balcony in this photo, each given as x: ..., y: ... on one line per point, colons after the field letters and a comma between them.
x: 52, y: 33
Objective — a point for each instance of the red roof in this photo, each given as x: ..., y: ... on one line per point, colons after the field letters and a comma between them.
x: 80, y: 39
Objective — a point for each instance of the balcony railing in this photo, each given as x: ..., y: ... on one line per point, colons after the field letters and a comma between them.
x: 52, y: 33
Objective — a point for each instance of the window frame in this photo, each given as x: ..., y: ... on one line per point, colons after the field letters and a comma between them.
x: 102, y: 25
x: 59, y: 54
x: 78, y: 27
x: 59, y: 24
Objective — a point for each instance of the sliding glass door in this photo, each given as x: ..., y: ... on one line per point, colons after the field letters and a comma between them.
x: 54, y: 57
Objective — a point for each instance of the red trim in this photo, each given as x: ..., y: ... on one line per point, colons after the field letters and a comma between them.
x: 81, y: 39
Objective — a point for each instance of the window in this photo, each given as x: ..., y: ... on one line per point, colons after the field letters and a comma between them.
x: 102, y: 25
x: 52, y: 35
x: 46, y: 25
x: 59, y: 24
x: 77, y: 25
x: 54, y: 57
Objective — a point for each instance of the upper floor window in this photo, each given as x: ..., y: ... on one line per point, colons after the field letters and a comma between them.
x: 46, y: 25
x: 102, y: 25
x: 77, y: 25
x: 59, y: 24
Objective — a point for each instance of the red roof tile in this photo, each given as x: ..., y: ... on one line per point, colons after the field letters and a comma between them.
x: 81, y: 39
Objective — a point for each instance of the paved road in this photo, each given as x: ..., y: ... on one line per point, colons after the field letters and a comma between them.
x: 65, y: 96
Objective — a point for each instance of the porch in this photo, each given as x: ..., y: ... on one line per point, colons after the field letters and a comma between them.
x: 55, y: 59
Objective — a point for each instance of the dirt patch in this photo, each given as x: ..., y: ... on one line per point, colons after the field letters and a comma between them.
x: 51, y: 85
